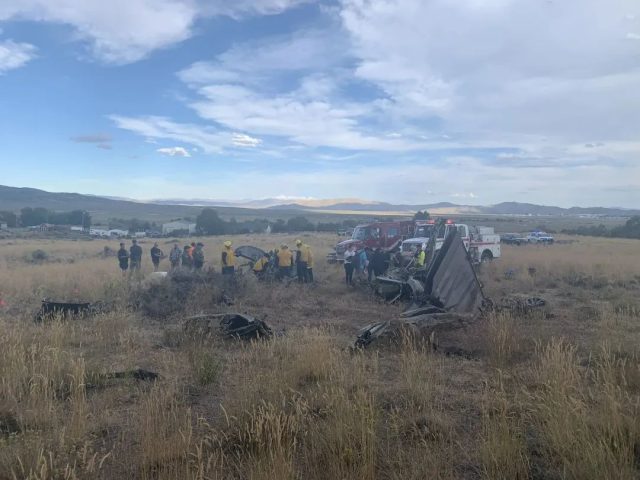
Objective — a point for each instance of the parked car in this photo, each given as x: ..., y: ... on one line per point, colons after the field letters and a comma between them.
x: 512, y: 239
x: 539, y: 237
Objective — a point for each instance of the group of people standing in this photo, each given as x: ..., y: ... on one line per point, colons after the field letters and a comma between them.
x: 373, y: 262
x: 284, y: 261
x: 192, y: 257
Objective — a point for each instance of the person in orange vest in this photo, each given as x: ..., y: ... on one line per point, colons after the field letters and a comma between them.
x: 285, y: 261
x: 228, y: 259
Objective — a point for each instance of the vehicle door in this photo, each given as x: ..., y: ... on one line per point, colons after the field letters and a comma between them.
x: 463, y: 231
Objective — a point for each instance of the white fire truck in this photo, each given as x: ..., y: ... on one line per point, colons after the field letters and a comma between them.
x: 482, y: 243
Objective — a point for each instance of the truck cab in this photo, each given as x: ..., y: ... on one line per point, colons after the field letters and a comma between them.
x: 385, y: 235
x: 481, y: 242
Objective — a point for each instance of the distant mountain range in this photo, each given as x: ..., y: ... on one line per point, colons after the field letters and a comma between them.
x: 13, y: 199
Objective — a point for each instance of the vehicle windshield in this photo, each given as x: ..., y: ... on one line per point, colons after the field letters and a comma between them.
x: 424, y: 230
x: 410, y: 246
x: 361, y: 233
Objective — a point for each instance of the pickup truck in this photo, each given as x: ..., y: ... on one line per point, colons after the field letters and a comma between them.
x: 513, y: 239
x: 539, y: 237
x: 482, y: 243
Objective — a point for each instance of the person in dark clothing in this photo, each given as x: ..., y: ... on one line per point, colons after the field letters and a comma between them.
x: 123, y: 259
x: 135, y: 255
x: 369, y: 253
x: 378, y: 262
x: 198, y: 257
x: 187, y: 262
x: 156, y: 256
x: 175, y: 255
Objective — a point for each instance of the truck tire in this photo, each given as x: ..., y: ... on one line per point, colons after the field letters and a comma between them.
x: 487, y: 256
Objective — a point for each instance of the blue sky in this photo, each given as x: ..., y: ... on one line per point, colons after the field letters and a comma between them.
x: 416, y: 101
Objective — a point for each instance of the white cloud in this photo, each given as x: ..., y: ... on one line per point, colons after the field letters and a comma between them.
x: 124, y: 31
x: 174, y: 151
x: 242, y: 140
x: 488, y: 69
x: 633, y: 36
x: 154, y: 128
x: 15, y: 55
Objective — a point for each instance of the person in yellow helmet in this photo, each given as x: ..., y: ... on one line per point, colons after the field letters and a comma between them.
x: 303, y: 260
x: 285, y: 261
x: 228, y: 259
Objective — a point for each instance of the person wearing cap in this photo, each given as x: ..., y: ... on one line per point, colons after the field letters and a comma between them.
x: 123, y: 259
x: 198, y: 257
x: 228, y: 259
x: 285, y: 261
x: 303, y: 258
x: 135, y: 255
x: 156, y: 256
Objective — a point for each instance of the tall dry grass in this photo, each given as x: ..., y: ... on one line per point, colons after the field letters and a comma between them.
x: 541, y: 396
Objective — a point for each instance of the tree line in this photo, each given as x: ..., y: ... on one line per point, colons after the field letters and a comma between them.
x: 631, y: 229
x: 29, y: 217
x: 210, y: 223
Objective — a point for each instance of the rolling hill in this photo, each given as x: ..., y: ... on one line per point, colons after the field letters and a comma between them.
x: 102, y: 208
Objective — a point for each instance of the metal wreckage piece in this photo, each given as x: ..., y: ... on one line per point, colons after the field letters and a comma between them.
x: 228, y: 325
x: 50, y: 310
x: 444, y: 296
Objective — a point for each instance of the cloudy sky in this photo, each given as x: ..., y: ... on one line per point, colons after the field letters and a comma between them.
x: 420, y: 101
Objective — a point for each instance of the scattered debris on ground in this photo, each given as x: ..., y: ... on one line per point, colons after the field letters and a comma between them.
x: 50, y: 310
x: 228, y: 325
x: 101, y: 380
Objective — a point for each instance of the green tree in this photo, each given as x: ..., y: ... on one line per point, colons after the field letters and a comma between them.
x: 34, y: 216
x: 299, y: 224
x: 10, y: 218
x: 210, y: 223
x: 421, y: 215
x: 279, y: 226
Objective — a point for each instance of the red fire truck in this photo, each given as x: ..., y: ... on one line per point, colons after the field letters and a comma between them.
x: 385, y: 235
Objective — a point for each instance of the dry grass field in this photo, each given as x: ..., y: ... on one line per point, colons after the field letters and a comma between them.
x: 553, y: 394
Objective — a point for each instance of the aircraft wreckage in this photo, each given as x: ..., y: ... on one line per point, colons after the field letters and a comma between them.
x: 444, y: 295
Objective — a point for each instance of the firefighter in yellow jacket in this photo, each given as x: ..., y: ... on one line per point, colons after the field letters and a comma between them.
x: 260, y: 266
x: 285, y: 261
x: 304, y: 262
x: 228, y: 259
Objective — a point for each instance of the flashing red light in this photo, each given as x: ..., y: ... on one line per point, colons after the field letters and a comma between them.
x: 449, y: 222
x: 431, y: 222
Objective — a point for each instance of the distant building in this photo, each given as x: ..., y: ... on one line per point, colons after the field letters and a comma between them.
x: 169, y: 228
x: 98, y: 231
x: 76, y: 228
x: 116, y: 232
x: 140, y: 234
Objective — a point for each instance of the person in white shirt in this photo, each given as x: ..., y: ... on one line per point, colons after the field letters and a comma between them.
x: 349, y: 257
